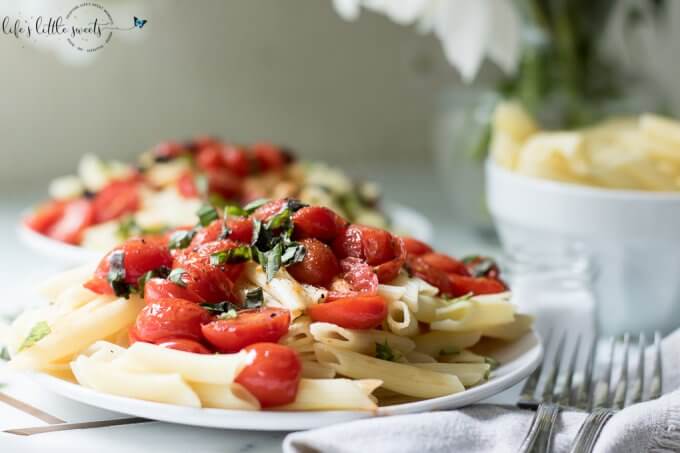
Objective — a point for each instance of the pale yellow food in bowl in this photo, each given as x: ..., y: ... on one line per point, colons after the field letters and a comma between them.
x: 630, y: 153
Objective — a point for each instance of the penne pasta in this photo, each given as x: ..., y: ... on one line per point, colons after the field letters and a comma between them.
x: 362, y: 341
x: 463, y: 356
x: 312, y: 369
x: 512, y: 331
x: 333, y: 394
x: 51, y: 288
x: 225, y: 396
x: 402, y: 378
x: 469, y: 373
x: 400, y: 320
x: 476, y: 313
x: 438, y: 343
x: 391, y: 293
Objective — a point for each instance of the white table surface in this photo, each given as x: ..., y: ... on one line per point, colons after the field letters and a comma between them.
x: 19, y: 270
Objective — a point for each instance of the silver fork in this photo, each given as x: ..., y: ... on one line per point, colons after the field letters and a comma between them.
x: 603, y: 405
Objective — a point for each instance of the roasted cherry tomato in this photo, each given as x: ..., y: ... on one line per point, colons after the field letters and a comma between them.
x: 359, y: 312
x: 204, y: 141
x: 184, y: 344
x: 248, y: 327
x: 374, y: 245
x: 359, y: 275
x: 170, y: 318
x: 416, y: 247
x: 45, y: 216
x: 272, y: 373
x: 168, y: 150
x: 318, y: 222
x: 481, y: 285
x: 186, y: 185
x: 482, y: 266
x: 319, y: 265
x: 223, y: 182
x: 209, y: 158
x: 78, y: 215
x: 389, y: 270
x: 240, y: 230
x: 445, y: 263
x: 269, y: 157
x: 269, y: 209
x: 139, y: 257
x: 432, y: 275
x: 236, y: 160
x: 116, y: 199
x: 159, y: 288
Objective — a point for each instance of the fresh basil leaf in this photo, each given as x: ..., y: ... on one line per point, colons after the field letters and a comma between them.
x: 116, y: 274
x: 234, y: 211
x: 479, y: 266
x: 229, y: 314
x: 295, y: 205
x: 127, y: 227
x: 4, y: 354
x: 384, y: 352
x: 141, y: 281
x: 220, y: 307
x: 181, y: 239
x: 254, y: 298
x: 294, y: 253
x: 207, y: 214
x: 492, y: 362
x: 279, y: 219
x: 253, y: 205
x: 39, y: 331
x: 273, y: 261
x: 224, y: 234
x: 175, y: 277
x: 234, y: 255
x: 217, y: 200
x: 257, y: 228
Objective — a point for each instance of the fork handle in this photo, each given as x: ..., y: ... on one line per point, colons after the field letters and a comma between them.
x: 590, y: 430
x: 539, y: 437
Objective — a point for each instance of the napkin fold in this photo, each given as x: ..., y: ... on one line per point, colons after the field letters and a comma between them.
x: 652, y: 426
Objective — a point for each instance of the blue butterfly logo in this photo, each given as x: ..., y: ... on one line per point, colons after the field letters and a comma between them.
x: 139, y: 23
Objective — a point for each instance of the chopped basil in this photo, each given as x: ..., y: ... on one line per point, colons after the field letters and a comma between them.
x: 492, y: 362
x: 384, y: 352
x: 295, y: 205
x: 220, y: 307
x: 271, y: 260
x: 479, y: 266
x: 126, y: 228
x: 181, y: 239
x: 207, y: 214
x: 39, y: 331
x: 254, y: 298
x: 141, y: 281
x: 234, y: 255
x: 217, y: 200
x: 294, y: 253
x: 175, y: 277
x: 234, y: 211
x: 116, y: 275
x: 4, y: 354
x: 224, y: 234
x: 253, y: 205
x: 229, y: 314
x: 257, y: 227
x: 280, y: 219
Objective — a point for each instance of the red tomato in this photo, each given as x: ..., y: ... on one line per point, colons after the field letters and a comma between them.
x: 45, y: 216
x: 481, y: 285
x: 240, y: 230
x: 249, y: 327
x: 184, y: 344
x: 374, y: 245
x: 116, y: 199
x: 416, y: 247
x: 186, y: 186
x: 209, y: 158
x: 159, y: 288
x: 133, y: 336
x: 433, y: 276
x: 269, y: 157
x: 269, y: 209
x: 389, y: 270
x: 236, y: 160
x: 205, y: 141
x: 168, y: 150
x: 170, y: 318
x: 319, y: 265
x: 445, y: 263
x: 318, y: 222
x: 78, y: 215
x: 224, y: 183
x: 359, y: 275
x: 272, y: 373
x: 140, y: 256
x: 358, y: 312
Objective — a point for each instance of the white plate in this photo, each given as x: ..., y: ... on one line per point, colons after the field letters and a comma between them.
x: 403, y: 219
x: 519, y: 359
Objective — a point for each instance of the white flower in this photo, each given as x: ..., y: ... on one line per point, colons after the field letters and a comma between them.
x: 469, y: 30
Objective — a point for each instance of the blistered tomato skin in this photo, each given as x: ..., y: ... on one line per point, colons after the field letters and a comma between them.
x: 269, y: 209
x: 272, y: 374
x: 248, y: 327
x: 374, y: 245
x: 115, y: 200
x: 78, y: 215
x: 415, y: 247
x: 319, y: 265
x: 45, y: 216
x: 357, y: 312
x: 159, y: 288
x: 170, y: 318
x: 445, y: 263
x: 481, y: 285
x: 319, y: 223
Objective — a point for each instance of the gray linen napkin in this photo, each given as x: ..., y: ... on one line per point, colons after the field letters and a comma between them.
x: 652, y: 426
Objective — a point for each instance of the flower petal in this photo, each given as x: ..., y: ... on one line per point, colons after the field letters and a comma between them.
x: 504, y: 43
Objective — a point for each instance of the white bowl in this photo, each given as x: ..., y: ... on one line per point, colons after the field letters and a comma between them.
x: 632, y: 237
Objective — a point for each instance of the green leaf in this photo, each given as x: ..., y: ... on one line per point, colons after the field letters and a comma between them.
x: 479, y: 266
x: 294, y: 253
x: 254, y: 298
x: 234, y: 255
x: 272, y: 262
x: 279, y: 219
x: 234, y: 211
x: 384, y: 352
x: 116, y: 274
x: 39, y: 331
x: 229, y: 314
x: 492, y: 362
x: 295, y: 205
x: 127, y: 227
x: 253, y: 205
x: 175, y: 277
x: 181, y: 239
x: 257, y: 228
x: 220, y: 307
x: 207, y: 214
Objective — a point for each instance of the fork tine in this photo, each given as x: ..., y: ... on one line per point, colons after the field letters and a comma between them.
x: 639, y: 383
x: 549, y: 394
x: 619, y: 397
x: 585, y: 389
x: 526, y: 399
x: 656, y: 385
x: 567, y: 395
x: 600, y: 395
